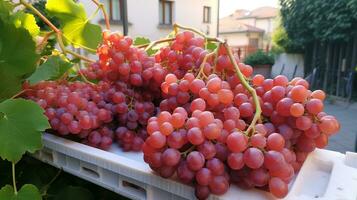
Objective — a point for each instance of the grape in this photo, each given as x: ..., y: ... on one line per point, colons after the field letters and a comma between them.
x: 198, y: 104
x: 214, y: 85
x: 237, y: 142
x: 246, y: 109
x: 225, y: 96
x: 216, y: 166
x: 235, y: 161
x: 170, y: 157
x: 275, y: 142
x: 207, y: 149
x: 259, y: 177
x: 297, y: 110
x: 166, y: 128
x: 219, y: 185
x: 184, y: 173
x: 298, y: 93
x: 156, y: 140
x: 318, y: 94
x: 278, y: 187
x: 273, y: 159
x: 204, y: 176
x: 258, y: 79
x: 314, y: 106
x: 195, y: 136
x: 253, y: 158
x: 303, y: 123
x: 195, y: 160
x: 258, y: 141
x: 202, y: 192
x: 211, y: 131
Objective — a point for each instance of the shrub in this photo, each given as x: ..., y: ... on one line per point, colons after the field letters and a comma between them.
x: 259, y: 58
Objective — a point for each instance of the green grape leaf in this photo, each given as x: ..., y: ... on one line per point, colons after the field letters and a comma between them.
x: 21, y: 125
x: 74, y: 192
x: 141, y: 40
x: 18, y: 55
x: 211, y: 46
x: 152, y: 51
x: 52, y: 69
x: 27, y: 21
x: 18, y: 58
x: 5, y: 8
x: 76, y: 27
x: 26, y: 192
x: 9, y: 86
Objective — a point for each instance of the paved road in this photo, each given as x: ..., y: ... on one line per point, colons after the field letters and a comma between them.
x: 345, y: 139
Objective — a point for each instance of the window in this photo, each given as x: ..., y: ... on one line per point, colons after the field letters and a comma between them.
x: 113, y: 8
x: 165, y: 12
x: 206, y: 14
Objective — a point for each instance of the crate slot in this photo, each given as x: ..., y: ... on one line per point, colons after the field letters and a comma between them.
x: 138, y: 190
x: 90, y: 171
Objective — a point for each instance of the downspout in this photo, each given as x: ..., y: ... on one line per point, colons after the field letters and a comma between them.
x: 218, y: 2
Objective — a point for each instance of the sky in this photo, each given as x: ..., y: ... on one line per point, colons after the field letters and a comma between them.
x: 227, y: 7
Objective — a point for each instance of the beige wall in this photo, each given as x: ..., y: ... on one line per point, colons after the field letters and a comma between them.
x: 236, y: 39
x: 242, y: 39
x: 144, y: 16
x: 249, y: 21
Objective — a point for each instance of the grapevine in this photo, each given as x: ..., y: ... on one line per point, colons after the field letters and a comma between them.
x: 186, y: 101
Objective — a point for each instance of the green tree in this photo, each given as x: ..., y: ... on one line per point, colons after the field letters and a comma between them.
x: 319, y: 20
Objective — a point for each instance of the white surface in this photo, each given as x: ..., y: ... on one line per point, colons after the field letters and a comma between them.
x: 144, y: 16
x: 325, y: 174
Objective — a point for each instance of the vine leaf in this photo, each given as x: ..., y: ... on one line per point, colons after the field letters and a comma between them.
x: 26, y: 192
x: 141, y: 40
x: 52, y: 69
x: 27, y: 21
x: 5, y: 8
x: 211, y: 46
x: 9, y: 85
x: 75, y: 25
x: 18, y: 58
x: 21, y: 126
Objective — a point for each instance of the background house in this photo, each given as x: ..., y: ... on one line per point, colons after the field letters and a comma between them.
x: 154, y: 18
x: 249, y: 30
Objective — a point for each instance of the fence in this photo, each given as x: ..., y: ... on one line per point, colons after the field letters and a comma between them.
x: 333, y: 64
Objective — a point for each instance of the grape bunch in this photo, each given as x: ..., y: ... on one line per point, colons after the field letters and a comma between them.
x: 196, y: 113
x: 185, y: 144
x: 77, y: 109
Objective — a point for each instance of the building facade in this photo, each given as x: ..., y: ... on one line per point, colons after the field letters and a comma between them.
x: 249, y: 30
x: 154, y: 18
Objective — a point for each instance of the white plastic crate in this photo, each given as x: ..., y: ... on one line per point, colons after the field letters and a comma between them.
x: 325, y: 174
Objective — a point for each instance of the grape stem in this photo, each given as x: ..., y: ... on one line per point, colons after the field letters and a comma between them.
x: 20, y: 93
x: 258, y: 111
x: 84, y: 77
x: 152, y: 44
x: 44, y: 40
x: 13, y: 178
x: 188, y: 150
x: 106, y: 19
x: 58, y: 32
x: 201, y: 72
x: 208, y: 39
